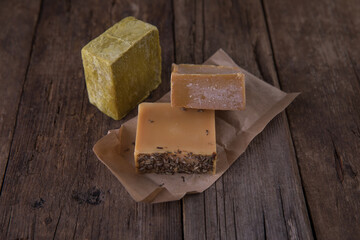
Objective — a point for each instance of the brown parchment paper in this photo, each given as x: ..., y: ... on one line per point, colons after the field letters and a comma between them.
x: 234, y: 132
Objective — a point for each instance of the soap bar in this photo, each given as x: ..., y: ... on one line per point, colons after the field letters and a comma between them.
x: 122, y: 66
x: 174, y: 140
x: 207, y: 87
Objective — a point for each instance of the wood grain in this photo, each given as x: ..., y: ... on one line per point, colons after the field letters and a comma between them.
x: 317, y: 52
x: 260, y: 196
x: 16, y: 42
x: 297, y: 180
x: 54, y: 185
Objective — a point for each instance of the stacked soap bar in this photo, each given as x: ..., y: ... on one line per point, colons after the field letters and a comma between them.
x: 180, y: 137
x: 174, y: 140
x: 207, y: 87
x: 122, y: 66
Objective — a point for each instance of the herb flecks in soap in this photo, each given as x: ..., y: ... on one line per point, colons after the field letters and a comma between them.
x: 170, y: 163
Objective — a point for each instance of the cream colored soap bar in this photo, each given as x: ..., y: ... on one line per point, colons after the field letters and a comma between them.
x: 207, y: 87
x: 170, y: 140
x: 122, y: 66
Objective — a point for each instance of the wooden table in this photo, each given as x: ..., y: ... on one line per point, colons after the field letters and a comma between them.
x: 299, y: 179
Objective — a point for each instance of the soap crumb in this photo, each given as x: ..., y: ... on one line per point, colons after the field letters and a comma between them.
x: 93, y: 196
x: 38, y: 204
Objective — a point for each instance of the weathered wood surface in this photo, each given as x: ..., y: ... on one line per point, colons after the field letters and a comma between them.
x: 316, y: 46
x: 261, y: 195
x: 54, y: 187
x: 16, y: 40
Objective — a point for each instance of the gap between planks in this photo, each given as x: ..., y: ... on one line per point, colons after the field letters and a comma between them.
x: 285, y: 117
x: 22, y: 91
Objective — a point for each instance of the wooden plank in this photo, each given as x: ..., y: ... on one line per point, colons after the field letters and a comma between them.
x: 54, y: 186
x: 316, y: 47
x: 260, y: 196
x: 16, y: 35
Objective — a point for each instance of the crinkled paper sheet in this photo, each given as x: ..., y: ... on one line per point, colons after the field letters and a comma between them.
x: 234, y: 132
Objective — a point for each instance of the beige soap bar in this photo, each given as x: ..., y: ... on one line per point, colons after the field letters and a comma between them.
x: 170, y: 140
x: 207, y: 87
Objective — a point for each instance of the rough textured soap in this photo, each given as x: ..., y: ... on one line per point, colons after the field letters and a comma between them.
x: 170, y: 140
x: 122, y: 66
x: 207, y: 87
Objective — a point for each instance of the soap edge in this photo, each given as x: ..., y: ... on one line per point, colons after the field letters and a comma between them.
x: 158, y: 81
x: 86, y: 76
x: 238, y: 75
x: 105, y: 34
x: 210, y: 65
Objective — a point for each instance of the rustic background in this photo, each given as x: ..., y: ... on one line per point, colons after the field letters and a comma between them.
x: 299, y: 179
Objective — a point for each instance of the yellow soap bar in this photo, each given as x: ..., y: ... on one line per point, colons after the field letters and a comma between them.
x: 174, y: 140
x: 122, y: 66
x: 207, y: 87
